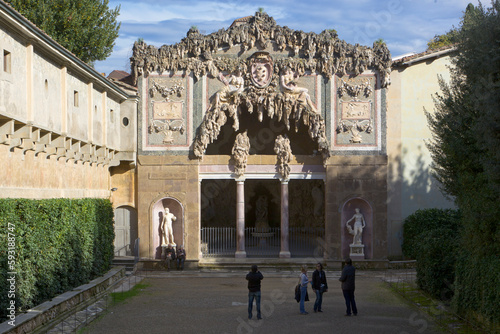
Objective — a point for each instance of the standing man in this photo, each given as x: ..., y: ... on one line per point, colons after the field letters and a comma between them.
x: 319, y: 286
x: 347, y: 279
x: 254, y: 277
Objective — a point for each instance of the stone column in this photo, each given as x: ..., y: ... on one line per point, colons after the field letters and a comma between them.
x: 240, y: 219
x: 285, y: 249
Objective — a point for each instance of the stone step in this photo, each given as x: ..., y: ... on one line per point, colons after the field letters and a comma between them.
x: 127, y: 261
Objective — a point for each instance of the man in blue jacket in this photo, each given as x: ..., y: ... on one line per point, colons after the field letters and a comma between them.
x: 347, y: 279
x: 254, y: 277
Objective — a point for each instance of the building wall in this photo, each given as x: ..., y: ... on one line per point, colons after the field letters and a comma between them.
x: 362, y: 179
x: 168, y: 178
x: 60, y: 121
x: 410, y: 183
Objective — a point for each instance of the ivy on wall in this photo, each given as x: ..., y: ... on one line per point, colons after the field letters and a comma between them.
x: 51, y: 246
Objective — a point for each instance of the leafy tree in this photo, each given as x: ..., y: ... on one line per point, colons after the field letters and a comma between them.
x: 87, y: 28
x: 466, y: 156
x: 438, y: 41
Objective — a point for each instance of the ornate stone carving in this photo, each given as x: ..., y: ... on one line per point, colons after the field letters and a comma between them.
x: 165, y: 92
x: 284, y: 153
x: 261, y: 69
x: 263, y: 91
x: 241, y: 149
x: 356, y: 110
x: 228, y: 97
x: 284, y: 105
x: 322, y: 53
x: 355, y: 89
x: 355, y: 128
x: 167, y: 128
x: 292, y: 91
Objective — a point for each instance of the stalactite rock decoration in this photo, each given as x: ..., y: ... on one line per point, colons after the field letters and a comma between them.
x: 241, y: 149
x: 284, y: 153
x: 321, y: 54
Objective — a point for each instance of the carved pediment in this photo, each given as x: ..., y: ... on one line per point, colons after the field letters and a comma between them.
x: 322, y: 53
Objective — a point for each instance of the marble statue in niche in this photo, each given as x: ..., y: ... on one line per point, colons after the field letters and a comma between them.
x: 357, y: 230
x: 167, y: 232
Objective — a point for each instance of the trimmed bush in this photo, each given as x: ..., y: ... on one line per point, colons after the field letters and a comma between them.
x: 425, y: 220
x: 477, y: 288
x: 432, y: 237
x: 436, y: 262
x: 58, y: 245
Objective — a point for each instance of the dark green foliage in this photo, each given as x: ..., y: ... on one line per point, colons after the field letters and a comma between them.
x: 478, y: 284
x: 466, y: 155
x: 436, y: 261
x: 59, y: 245
x: 432, y: 237
x: 87, y: 28
x: 423, y: 221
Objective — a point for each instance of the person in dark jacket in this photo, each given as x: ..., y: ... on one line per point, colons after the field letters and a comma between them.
x: 169, y: 255
x: 348, y: 286
x: 254, y: 277
x: 319, y: 286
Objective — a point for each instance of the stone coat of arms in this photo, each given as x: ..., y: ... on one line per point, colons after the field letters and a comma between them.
x: 261, y: 69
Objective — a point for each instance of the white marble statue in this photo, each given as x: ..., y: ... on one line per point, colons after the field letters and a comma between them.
x: 359, y: 225
x: 167, y: 232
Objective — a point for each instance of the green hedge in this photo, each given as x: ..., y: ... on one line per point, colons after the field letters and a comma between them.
x: 425, y: 220
x: 57, y: 244
x: 477, y: 288
x: 432, y: 237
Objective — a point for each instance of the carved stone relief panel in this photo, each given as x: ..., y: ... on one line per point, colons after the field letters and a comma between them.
x: 166, y: 123
x: 356, y: 119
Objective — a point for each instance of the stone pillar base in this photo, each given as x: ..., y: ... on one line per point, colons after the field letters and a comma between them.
x: 357, y: 252
x: 284, y: 254
x: 240, y: 254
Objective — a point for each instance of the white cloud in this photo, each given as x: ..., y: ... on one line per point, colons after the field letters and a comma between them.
x: 405, y: 25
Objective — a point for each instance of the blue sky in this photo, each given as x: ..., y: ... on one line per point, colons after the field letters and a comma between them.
x: 405, y: 25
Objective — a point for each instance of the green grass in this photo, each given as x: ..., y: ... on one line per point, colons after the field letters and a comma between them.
x: 120, y: 297
x: 447, y: 321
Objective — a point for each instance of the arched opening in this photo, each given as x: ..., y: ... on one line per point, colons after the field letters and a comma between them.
x: 352, y: 207
x: 158, y: 211
x: 262, y: 136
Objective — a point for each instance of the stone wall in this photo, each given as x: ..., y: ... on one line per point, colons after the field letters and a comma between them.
x: 356, y: 177
x: 173, y: 178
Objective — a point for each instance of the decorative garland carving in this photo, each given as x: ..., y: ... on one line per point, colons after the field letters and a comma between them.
x: 165, y: 92
x: 354, y: 90
x: 355, y: 127
x: 166, y: 128
x: 322, y: 53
